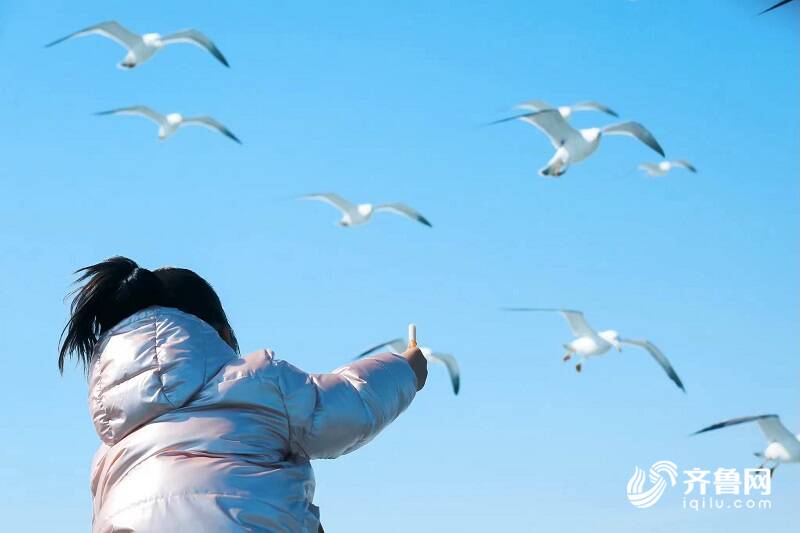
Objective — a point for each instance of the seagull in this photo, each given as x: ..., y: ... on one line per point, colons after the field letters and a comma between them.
x: 775, y: 6
x: 399, y: 346
x: 590, y: 343
x: 783, y: 447
x: 574, y: 145
x: 143, y: 47
x: 662, y: 168
x: 169, y: 124
x: 355, y: 215
x: 566, y: 111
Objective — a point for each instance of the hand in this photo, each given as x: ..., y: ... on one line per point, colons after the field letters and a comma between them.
x: 419, y: 364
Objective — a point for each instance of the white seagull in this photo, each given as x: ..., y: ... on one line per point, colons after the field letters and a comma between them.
x: 783, y: 447
x: 143, y: 47
x: 567, y: 110
x: 399, y: 346
x: 590, y: 343
x: 355, y: 215
x: 661, y: 169
x: 169, y: 124
x: 572, y: 145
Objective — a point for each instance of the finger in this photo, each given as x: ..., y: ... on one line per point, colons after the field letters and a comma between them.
x: 412, y: 336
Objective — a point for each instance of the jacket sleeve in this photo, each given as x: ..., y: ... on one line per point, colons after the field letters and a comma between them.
x: 333, y: 414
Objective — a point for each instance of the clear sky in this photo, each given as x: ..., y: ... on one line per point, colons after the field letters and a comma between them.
x: 385, y: 101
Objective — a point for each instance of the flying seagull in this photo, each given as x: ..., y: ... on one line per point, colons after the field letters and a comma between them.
x: 574, y: 145
x: 143, y: 47
x: 775, y: 6
x: 566, y: 111
x: 590, y: 343
x: 399, y: 346
x: 169, y: 124
x: 355, y: 215
x: 662, y: 168
x: 783, y: 447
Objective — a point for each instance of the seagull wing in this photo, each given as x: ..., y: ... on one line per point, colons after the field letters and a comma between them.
x: 577, y: 322
x: 403, y: 209
x: 776, y: 6
x: 396, y: 345
x: 534, y: 105
x: 209, y: 122
x: 550, y: 122
x: 660, y: 358
x: 110, y: 29
x: 650, y: 168
x: 140, y: 110
x: 774, y: 430
x: 452, y: 368
x: 332, y: 199
x: 594, y: 106
x: 770, y: 425
x: 198, y: 39
x: 682, y: 163
x: 634, y: 129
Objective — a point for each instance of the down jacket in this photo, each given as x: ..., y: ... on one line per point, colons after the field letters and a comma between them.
x: 197, y: 438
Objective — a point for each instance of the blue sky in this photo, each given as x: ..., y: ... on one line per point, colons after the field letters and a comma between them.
x: 384, y: 101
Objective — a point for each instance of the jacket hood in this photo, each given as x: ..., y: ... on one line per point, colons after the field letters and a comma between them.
x: 152, y: 362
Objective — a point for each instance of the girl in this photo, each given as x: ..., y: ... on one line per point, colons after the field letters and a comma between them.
x: 195, y: 437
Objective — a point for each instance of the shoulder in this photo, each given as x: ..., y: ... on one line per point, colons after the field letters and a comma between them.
x: 253, y: 365
x: 249, y: 379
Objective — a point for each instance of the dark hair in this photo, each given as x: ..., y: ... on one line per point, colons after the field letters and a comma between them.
x: 116, y: 288
x: 187, y: 291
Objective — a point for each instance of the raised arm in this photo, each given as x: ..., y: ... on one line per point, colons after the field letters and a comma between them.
x: 333, y: 414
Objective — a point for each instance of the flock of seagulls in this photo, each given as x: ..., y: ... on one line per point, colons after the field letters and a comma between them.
x: 142, y: 48
x: 571, y: 146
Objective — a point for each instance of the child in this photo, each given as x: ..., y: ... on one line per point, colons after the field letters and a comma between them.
x: 197, y: 438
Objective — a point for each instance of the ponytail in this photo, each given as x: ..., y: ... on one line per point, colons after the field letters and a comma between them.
x: 112, y: 290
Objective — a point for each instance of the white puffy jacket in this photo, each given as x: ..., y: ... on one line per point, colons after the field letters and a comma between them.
x: 196, y: 438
